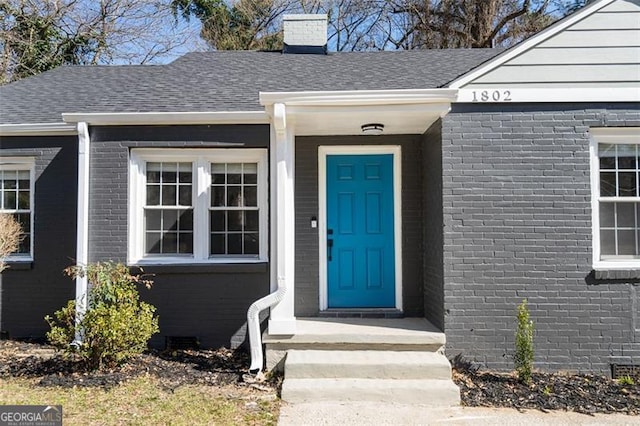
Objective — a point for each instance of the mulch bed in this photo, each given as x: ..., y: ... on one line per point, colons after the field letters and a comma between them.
x: 172, y: 368
x: 583, y: 393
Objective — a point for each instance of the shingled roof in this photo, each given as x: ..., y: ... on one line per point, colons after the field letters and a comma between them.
x: 225, y: 81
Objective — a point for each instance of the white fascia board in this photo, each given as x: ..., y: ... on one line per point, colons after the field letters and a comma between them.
x: 529, y: 43
x: 358, y: 97
x: 38, y: 129
x: 168, y: 118
x: 506, y: 94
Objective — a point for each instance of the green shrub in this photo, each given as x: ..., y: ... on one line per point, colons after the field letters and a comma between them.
x: 626, y: 380
x: 523, y: 358
x: 116, y: 325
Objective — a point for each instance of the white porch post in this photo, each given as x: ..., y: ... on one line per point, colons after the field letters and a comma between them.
x: 282, y: 319
x: 82, y: 242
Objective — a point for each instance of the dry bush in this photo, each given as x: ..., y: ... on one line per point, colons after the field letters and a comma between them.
x: 10, y: 237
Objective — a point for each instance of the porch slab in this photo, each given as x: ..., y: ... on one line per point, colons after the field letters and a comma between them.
x: 397, y: 334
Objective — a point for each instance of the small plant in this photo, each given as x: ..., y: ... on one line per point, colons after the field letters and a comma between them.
x: 547, y: 391
x: 10, y: 237
x: 523, y: 358
x: 116, y: 325
x: 626, y: 380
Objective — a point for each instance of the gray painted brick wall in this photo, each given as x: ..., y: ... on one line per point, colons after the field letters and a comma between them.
x: 432, y: 225
x: 31, y: 293
x: 306, y: 202
x: 209, y: 302
x: 517, y: 224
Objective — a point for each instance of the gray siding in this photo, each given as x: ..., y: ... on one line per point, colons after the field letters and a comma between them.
x: 30, y: 292
x: 601, y: 49
x: 517, y: 218
x: 208, y: 302
x: 306, y: 202
x: 432, y: 229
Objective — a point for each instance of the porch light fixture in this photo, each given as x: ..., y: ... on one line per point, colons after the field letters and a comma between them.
x: 372, y: 128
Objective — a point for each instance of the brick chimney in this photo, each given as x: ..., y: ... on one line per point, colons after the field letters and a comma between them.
x: 305, y: 33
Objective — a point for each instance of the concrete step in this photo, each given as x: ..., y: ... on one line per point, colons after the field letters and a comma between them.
x: 366, y: 365
x: 434, y: 393
x: 339, y: 334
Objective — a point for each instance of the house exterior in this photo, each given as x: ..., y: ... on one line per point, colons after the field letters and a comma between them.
x: 497, y: 176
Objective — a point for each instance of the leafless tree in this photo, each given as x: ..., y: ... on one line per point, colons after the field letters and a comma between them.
x: 37, y: 35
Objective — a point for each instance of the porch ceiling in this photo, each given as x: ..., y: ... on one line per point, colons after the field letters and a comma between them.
x: 344, y: 112
x: 347, y: 120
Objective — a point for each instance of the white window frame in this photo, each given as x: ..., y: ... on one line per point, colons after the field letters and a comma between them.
x: 201, y: 159
x: 607, y: 135
x: 22, y: 163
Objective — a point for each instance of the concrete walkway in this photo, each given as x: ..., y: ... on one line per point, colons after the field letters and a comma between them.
x: 328, y: 413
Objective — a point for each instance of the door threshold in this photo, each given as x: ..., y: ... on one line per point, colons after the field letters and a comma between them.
x: 361, y: 313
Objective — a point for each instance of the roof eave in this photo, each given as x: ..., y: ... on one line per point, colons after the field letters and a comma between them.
x: 167, y: 118
x: 38, y: 129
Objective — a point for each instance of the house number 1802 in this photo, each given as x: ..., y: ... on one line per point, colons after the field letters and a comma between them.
x: 491, y: 95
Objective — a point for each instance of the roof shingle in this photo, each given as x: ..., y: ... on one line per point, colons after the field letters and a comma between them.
x: 225, y: 81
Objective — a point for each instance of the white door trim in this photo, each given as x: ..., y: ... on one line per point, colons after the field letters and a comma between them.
x: 325, y: 150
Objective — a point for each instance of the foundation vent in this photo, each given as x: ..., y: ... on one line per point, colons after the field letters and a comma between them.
x: 626, y: 370
x: 181, y: 342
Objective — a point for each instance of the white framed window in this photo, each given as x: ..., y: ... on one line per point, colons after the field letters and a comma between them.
x: 198, y: 206
x: 17, y: 177
x: 615, y: 197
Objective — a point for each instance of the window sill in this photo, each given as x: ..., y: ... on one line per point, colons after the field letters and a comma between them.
x: 617, y: 274
x: 203, y: 268
x: 19, y: 265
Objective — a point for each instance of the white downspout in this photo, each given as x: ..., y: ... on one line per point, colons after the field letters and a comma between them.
x: 82, y: 238
x: 278, y: 258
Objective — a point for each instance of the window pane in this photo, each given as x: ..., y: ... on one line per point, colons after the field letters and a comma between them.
x: 153, y: 172
x: 251, y: 196
x: 218, y: 173
x: 186, y: 220
x: 152, y: 243
x: 234, y: 198
x: 218, y: 244
x: 185, y: 173
x: 217, y: 196
x: 153, y: 220
x: 168, y: 195
x: 23, y: 200
x: 218, y: 221
x: 169, y: 172
x: 627, y: 242
x: 250, y: 171
x: 169, y: 220
x: 607, y: 215
x: 251, y: 223
x: 235, y: 220
x: 170, y: 242
x: 24, y: 183
x: 25, y: 245
x: 627, y: 162
x: 608, y: 184
x: 10, y: 200
x: 607, y: 243
x: 153, y: 195
x: 606, y: 150
x: 184, y: 195
x: 627, y: 184
x: 186, y: 242
x: 251, y: 244
x: 24, y: 219
x: 235, y: 243
x: 234, y: 173
x: 9, y: 183
x: 626, y: 214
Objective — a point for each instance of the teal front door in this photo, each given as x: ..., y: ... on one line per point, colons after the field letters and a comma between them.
x: 360, y: 231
